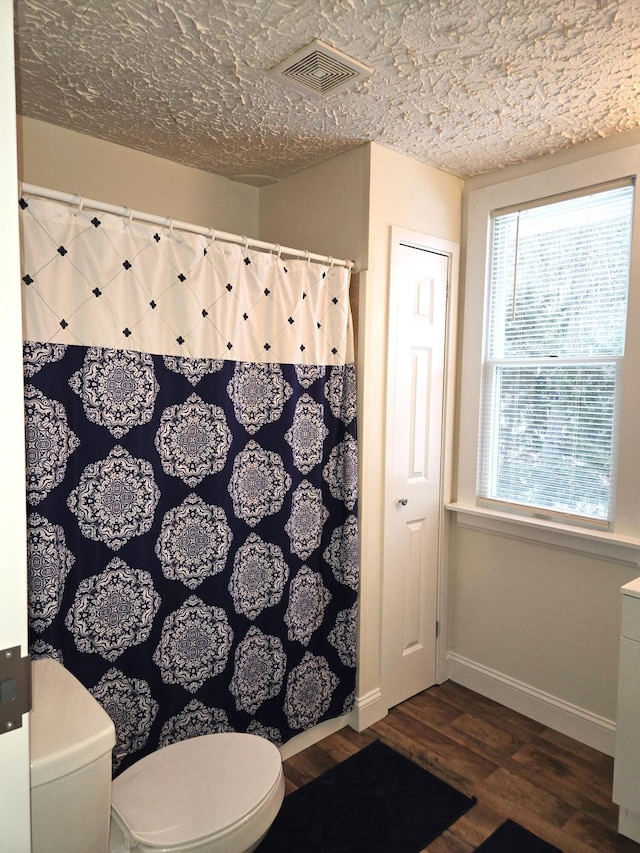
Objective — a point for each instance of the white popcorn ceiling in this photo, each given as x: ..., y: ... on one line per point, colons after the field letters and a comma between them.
x: 467, y: 86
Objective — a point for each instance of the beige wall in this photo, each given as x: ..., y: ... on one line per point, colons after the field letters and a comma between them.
x: 539, y: 615
x: 71, y: 162
x: 323, y: 209
x: 345, y: 207
x: 545, y: 615
x: 412, y: 195
x: 342, y: 207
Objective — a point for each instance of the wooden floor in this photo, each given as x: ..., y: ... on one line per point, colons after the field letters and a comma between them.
x: 517, y: 768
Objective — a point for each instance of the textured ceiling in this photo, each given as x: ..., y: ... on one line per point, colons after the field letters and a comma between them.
x: 467, y: 86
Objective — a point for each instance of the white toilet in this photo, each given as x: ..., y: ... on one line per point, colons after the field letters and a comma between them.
x: 211, y: 794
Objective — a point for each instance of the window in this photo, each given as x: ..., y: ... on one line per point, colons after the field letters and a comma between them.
x: 554, y: 345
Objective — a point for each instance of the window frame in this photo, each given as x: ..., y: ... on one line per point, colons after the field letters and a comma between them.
x: 491, y: 364
x: 555, y: 176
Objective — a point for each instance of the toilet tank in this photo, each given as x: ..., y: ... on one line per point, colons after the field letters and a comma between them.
x: 71, y: 739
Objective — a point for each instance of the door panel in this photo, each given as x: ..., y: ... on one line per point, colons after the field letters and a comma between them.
x: 413, y: 488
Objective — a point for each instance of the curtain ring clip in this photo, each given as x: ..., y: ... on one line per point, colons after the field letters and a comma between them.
x: 307, y: 256
x: 170, y: 226
x: 331, y: 262
x: 279, y: 250
x: 80, y: 204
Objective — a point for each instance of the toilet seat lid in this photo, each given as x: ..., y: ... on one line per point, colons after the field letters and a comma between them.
x: 195, y: 789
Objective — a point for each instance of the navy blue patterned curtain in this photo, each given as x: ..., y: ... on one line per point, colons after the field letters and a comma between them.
x: 191, y: 477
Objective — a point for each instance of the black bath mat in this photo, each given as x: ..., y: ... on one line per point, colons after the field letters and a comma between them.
x: 510, y: 837
x: 376, y: 801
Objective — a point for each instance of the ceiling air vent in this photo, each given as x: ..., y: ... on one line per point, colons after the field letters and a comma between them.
x: 320, y: 69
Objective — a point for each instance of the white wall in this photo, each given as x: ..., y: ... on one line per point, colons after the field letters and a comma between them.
x: 71, y: 162
x: 535, y: 611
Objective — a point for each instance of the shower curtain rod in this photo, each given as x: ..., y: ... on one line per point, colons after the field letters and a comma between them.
x: 165, y: 222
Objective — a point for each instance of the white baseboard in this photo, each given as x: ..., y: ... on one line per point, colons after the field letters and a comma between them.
x: 629, y: 824
x: 312, y: 736
x: 368, y: 710
x: 585, y: 727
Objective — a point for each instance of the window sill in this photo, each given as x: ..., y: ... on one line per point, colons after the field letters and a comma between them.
x: 614, y: 547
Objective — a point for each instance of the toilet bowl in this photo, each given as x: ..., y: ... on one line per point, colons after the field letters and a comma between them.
x: 211, y: 794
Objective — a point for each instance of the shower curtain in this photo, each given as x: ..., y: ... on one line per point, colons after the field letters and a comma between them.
x: 190, y: 418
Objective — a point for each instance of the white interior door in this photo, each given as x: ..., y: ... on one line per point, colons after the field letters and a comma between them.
x: 416, y: 381
x: 14, y: 744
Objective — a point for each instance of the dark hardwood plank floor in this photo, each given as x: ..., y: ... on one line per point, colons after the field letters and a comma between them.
x: 517, y: 768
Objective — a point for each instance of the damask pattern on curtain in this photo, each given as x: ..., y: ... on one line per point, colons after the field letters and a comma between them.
x: 191, y: 477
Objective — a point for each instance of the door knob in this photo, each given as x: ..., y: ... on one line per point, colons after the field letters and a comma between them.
x: 403, y: 501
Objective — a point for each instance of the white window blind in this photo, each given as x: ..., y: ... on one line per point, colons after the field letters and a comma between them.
x: 554, y: 345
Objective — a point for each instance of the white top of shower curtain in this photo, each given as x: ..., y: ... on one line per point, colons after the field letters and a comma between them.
x: 98, y: 279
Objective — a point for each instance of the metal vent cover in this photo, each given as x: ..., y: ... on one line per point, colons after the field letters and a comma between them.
x: 320, y: 69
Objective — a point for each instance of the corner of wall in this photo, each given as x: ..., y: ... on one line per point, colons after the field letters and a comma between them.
x: 323, y: 208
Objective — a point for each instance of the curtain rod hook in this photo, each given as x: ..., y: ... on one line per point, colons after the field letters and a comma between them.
x: 80, y: 204
x: 330, y: 262
x: 307, y: 255
x: 245, y: 243
x: 212, y: 235
x: 278, y: 249
x: 170, y: 226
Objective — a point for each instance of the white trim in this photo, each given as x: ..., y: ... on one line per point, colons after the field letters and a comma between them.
x: 629, y: 824
x: 312, y: 736
x: 478, y: 203
x: 368, y: 710
x: 613, y: 547
x: 15, y: 789
x: 578, y: 723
